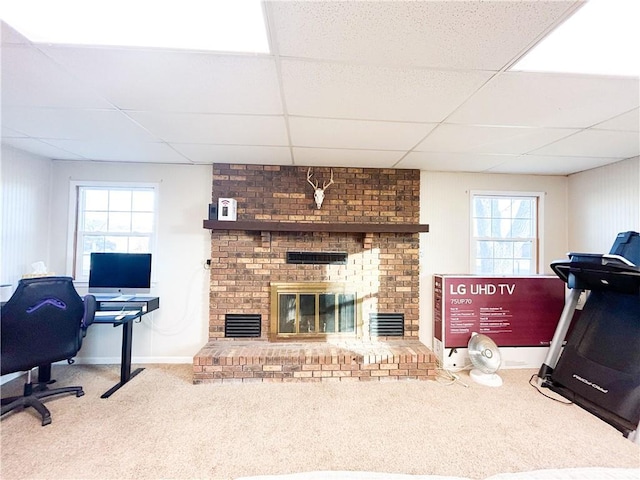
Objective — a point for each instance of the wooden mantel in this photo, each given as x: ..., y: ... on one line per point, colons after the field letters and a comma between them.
x: 316, y: 227
x: 266, y: 228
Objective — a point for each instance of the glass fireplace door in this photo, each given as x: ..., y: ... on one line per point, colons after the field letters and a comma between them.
x: 316, y: 313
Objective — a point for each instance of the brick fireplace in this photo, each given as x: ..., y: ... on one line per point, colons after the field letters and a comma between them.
x: 369, y: 220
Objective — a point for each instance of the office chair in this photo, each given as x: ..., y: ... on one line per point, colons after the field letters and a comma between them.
x: 43, y: 322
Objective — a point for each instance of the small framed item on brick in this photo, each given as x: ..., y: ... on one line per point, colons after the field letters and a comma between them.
x: 227, y: 209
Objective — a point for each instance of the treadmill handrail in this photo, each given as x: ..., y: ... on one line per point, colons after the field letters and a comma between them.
x: 603, y: 256
x: 620, y: 258
x: 591, y: 274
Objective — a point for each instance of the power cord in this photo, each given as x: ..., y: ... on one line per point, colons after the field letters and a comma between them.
x: 181, y: 322
x: 449, y: 377
x: 534, y: 385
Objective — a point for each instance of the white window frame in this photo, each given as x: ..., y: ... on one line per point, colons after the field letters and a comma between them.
x: 72, y: 226
x: 538, y: 248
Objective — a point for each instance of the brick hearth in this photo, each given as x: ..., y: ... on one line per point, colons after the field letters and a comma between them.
x: 260, y: 361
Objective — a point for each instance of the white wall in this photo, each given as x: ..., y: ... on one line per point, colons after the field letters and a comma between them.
x: 26, y: 192
x: 603, y: 202
x: 176, y: 331
x: 24, y: 217
x: 445, y: 206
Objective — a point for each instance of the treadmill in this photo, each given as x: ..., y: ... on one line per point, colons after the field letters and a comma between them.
x: 599, y: 367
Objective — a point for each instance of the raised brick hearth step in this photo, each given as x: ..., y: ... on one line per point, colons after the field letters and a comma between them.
x: 261, y: 361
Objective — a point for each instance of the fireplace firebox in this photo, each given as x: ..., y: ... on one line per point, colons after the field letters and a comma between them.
x: 305, y: 310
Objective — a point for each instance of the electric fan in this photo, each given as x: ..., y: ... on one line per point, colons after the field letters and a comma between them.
x: 485, y: 357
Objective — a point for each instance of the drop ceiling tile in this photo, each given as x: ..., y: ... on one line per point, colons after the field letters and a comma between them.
x: 595, y: 143
x: 170, y: 81
x: 375, y: 93
x: 79, y: 124
x: 452, y: 162
x: 546, y: 100
x: 327, y: 157
x: 133, y: 151
x: 357, y: 134
x: 487, y: 139
x: 454, y: 34
x: 30, y: 78
x: 549, y: 165
x: 37, y: 147
x: 629, y: 122
x: 253, y: 155
x: 214, y: 129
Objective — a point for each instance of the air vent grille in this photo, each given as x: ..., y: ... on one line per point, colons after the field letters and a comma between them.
x: 317, y: 258
x: 242, y: 326
x: 386, y: 324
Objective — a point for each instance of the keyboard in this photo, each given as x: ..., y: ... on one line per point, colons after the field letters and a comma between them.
x: 111, y: 313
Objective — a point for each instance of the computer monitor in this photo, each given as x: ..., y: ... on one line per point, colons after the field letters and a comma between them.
x: 123, y: 273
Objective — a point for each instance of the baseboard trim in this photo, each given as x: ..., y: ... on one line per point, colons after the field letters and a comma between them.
x: 134, y: 360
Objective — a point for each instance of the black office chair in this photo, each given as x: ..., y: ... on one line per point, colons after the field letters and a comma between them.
x: 43, y: 322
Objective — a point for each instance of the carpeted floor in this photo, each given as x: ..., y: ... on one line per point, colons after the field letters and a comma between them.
x: 160, y: 425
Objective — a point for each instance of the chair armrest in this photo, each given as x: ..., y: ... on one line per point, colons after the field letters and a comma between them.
x: 90, y: 306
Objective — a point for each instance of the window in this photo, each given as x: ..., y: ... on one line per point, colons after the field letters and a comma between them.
x: 504, y: 233
x: 112, y: 218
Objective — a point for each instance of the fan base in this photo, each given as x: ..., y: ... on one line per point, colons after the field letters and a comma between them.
x: 488, y: 379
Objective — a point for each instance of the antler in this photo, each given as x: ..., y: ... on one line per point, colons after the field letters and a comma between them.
x: 309, y: 174
x: 330, y: 181
x: 318, y: 194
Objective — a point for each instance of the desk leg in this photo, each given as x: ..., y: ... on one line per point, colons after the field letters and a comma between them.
x: 125, y: 360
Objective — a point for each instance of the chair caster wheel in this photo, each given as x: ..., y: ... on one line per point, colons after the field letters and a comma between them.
x: 80, y: 393
x: 46, y: 421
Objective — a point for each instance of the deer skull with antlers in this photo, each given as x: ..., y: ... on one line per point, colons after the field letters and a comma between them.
x: 318, y: 194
